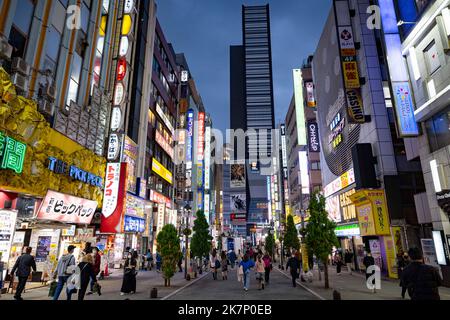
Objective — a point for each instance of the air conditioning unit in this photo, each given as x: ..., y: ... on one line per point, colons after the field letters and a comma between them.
x: 5, y: 48
x: 46, y: 107
x: 20, y: 81
x: 21, y: 66
x: 49, y: 91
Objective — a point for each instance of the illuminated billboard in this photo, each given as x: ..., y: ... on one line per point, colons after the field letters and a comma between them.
x: 304, y: 176
x: 190, y: 134
x: 299, y: 107
x: 207, y: 155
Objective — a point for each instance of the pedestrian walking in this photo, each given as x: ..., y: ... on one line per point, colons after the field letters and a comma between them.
x: 402, y: 263
x: 348, y: 259
x: 86, y: 275
x: 216, y: 267
x: 158, y: 262
x: 180, y: 263
x: 129, y: 276
x: 247, y: 264
x: 64, y: 269
x: 338, y: 262
x: 294, y: 265
x: 232, y: 257
x: 267, y: 267
x: 22, y: 268
x: 423, y: 281
x: 96, y: 267
x: 149, y: 259
x: 88, y: 248
x: 224, y: 263
x: 240, y: 273
x: 260, y: 270
x: 369, y: 261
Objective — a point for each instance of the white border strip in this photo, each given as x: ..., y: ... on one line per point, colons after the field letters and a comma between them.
x: 303, y: 286
x: 185, y: 286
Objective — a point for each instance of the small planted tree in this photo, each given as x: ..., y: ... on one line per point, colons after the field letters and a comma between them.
x: 291, y: 237
x: 169, y: 248
x: 201, y: 239
x: 319, y: 232
x: 269, y: 244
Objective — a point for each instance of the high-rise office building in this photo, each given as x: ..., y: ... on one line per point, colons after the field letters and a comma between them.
x: 252, y: 108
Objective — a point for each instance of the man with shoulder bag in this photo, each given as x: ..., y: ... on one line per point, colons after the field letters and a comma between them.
x: 65, y: 268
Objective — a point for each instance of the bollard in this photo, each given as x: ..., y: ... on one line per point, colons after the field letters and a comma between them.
x: 154, y: 293
x: 188, y: 277
x: 336, y: 295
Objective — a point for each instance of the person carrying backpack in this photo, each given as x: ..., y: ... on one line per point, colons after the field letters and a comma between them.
x: 216, y: 267
x: 224, y: 266
x: 64, y: 269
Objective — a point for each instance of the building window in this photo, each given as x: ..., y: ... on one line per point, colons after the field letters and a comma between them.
x: 432, y: 58
x: 20, y: 29
x: 438, y: 130
x: 315, y: 165
x: 74, y: 79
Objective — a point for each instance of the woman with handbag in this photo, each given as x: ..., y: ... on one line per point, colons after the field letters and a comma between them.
x: 80, y: 280
x: 260, y: 272
x: 129, y: 276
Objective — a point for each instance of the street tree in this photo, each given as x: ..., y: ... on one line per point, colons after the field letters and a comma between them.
x: 319, y: 232
x: 269, y: 244
x: 201, y: 239
x: 169, y: 248
x: 291, y: 236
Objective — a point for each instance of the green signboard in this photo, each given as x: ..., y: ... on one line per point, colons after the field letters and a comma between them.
x: 12, y: 153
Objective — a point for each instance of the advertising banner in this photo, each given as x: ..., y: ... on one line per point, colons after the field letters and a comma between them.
x: 372, y: 212
x: 135, y: 206
x: 159, y: 198
x: 190, y: 134
x: 429, y: 252
x: 355, y: 108
x: 404, y: 109
x: 7, y: 227
x: 310, y: 98
x: 238, y: 202
x: 114, y: 198
x: 159, y: 138
x: 299, y: 107
x: 237, y: 176
x: 391, y: 257
x: 130, y: 155
x: 313, y: 137
x: 133, y: 224
x: 333, y: 209
x: 351, y: 75
x: 346, y: 41
x: 162, y: 171
x: 160, y: 221
x: 397, y: 235
x: 207, y: 156
x: 65, y: 208
x: 201, y: 136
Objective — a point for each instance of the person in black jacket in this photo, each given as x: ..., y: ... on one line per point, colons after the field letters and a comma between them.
x: 348, y: 259
x: 369, y: 261
x: 421, y: 280
x: 23, y: 267
x: 294, y: 264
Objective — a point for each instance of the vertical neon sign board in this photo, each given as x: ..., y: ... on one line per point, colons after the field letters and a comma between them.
x: 207, y: 155
x: 190, y: 133
x: 299, y: 107
x: 201, y: 136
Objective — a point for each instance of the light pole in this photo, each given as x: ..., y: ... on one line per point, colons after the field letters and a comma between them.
x: 187, y: 211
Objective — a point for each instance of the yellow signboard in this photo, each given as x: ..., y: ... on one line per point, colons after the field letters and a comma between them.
x: 305, y: 257
x: 391, y: 257
x: 162, y: 171
x: 351, y: 75
x: 297, y: 219
x: 372, y: 212
x: 397, y: 234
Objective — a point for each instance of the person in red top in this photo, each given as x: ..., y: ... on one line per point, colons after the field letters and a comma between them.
x: 267, y: 267
x: 97, y: 262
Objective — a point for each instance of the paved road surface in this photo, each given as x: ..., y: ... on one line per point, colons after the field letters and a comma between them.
x: 279, y: 288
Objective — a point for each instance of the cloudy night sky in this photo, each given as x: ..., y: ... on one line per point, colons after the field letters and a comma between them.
x: 204, y: 29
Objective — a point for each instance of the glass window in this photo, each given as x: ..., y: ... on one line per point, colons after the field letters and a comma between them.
x: 18, y: 41
x: 84, y: 17
x: 438, y: 130
x: 53, y: 41
x: 24, y: 15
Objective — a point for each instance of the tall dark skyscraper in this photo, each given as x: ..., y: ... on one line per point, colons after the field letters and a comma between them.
x: 252, y: 108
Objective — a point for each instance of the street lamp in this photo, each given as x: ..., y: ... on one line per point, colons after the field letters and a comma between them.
x: 187, y: 213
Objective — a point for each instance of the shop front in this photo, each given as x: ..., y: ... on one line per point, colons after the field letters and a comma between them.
x: 37, y: 164
x: 375, y: 228
x: 162, y: 208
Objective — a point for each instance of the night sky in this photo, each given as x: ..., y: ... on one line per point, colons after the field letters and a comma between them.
x: 204, y: 29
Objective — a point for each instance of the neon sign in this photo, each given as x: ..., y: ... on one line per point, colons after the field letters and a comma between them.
x: 12, y: 153
x: 61, y: 167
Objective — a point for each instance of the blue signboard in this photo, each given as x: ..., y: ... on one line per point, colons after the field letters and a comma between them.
x: 404, y: 109
x: 190, y: 133
x: 133, y: 224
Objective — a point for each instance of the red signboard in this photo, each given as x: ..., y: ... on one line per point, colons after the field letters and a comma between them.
x: 201, y: 136
x: 159, y: 198
x: 66, y: 208
x: 112, y: 222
